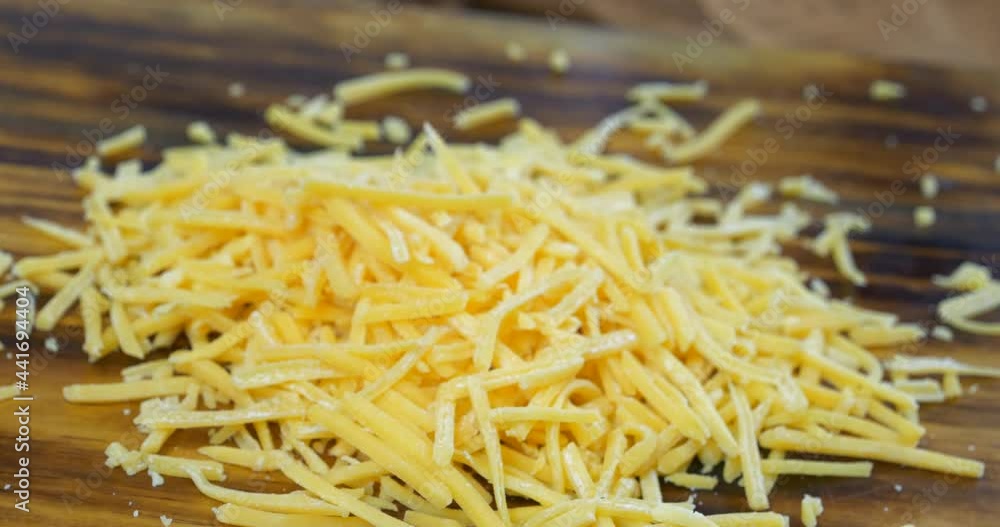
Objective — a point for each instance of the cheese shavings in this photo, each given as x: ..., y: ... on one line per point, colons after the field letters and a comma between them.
x: 431, y: 333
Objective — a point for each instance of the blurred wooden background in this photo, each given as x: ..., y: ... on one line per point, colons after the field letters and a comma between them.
x: 946, y: 32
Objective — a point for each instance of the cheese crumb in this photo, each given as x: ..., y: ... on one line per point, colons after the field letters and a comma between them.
x: 808, y: 188
x: 820, y: 287
x: 119, y: 144
x: 156, y: 477
x: 943, y: 333
x: 812, y: 507
x: 396, y: 130
x: 52, y: 344
x: 236, y: 89
x: 810, y: 92
x: 127, y: 411
x: 978, y: 104
x: 924, y: 216
x: 559, y: 61
x: 968, y: 276
x: 972, y: 448
x: 515, y: 51
x: 883, y: 90
x: 201, y: 132
x: 397, y: 61
x: 135, y: 514
x: 166, y: 520
x: 929, y: 185
x: 898, y: 487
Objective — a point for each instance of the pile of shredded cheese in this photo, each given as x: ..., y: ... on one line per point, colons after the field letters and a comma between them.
x: 534, y: 333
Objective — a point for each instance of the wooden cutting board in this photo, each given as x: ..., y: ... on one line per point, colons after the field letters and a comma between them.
x: 85, y: 64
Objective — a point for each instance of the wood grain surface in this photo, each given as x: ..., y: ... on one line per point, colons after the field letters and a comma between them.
x: 957, y: 32
x: 66, y: 79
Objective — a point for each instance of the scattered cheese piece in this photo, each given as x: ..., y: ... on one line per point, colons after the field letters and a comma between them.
x: 486, y: 113
x: 668, y: 91
x: 884, y: 90
x: 397, y: 61
x: 514, y: 51
x: 929, y: 185
x: 812, y: 507
x: 559, y: 61
x: 807, y: 187
x: 236, y: 89
x: 378, y: 85
x: 201, y: 132
x: 397, y: 131
x: 924, y: 216
x: 979, y: 104
x: 126, y: 141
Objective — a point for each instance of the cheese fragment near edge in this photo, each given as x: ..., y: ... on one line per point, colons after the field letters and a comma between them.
x: 129, y: 139
x: 812, y: 507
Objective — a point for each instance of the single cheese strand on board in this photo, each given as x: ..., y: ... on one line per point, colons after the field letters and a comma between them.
x: 58, y: 305
x: 861, y: 469
x: 127, y: 140
x: 66, y: 235
x: 749, y: 519
x: 231, y: 514
x: 668, y: 91
x: 486, y: 113
x: 125, y: 391
x: 724, y: 126
x: 795, y: 441
x: 294, y: 503
x: 263, y: 411
x: 377, y: 85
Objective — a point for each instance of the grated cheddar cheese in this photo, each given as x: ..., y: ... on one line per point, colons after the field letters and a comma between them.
x: 388, y: 331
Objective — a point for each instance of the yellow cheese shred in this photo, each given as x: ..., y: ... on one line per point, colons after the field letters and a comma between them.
x: 486, y: 113
x: 377, y: 85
